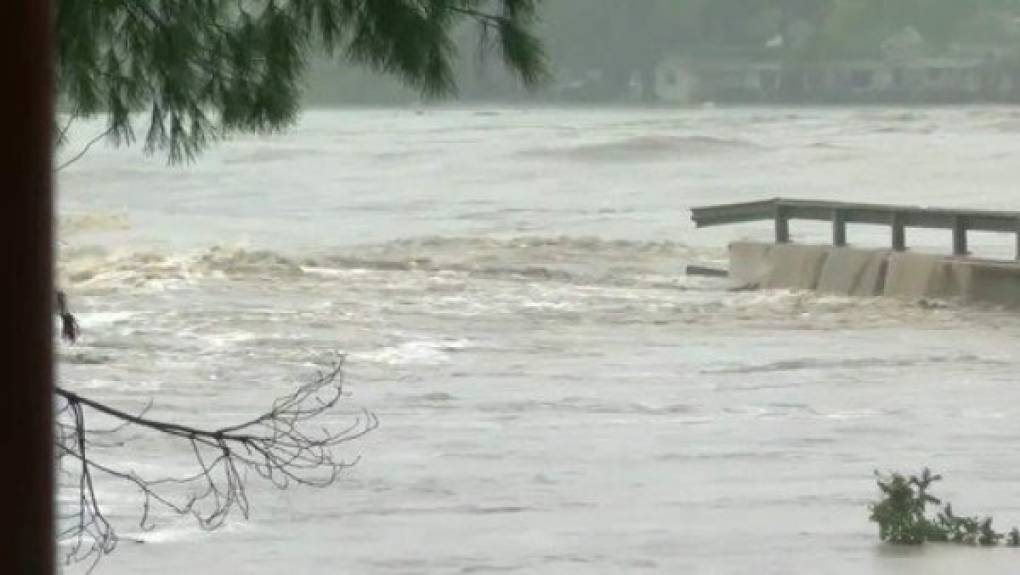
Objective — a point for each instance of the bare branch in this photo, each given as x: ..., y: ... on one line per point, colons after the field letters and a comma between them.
x: 275, y: 445
x: 84, y: 150
x: 62, y: 133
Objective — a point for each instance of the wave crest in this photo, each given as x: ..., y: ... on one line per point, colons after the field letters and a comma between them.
x: 560, y: 259
x: 648, y: 147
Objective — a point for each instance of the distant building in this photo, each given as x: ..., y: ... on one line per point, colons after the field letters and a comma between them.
x: 684, y: 80
x: 962, y: 78
x: 904, y: 73
x: 924, y: 78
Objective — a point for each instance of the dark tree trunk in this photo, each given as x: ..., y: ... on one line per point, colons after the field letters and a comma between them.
x: 26, y: 412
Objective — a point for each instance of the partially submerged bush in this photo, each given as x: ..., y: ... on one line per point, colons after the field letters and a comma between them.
x: 902, y: 520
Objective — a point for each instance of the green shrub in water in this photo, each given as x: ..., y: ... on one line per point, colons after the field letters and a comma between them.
x: 902, y: 516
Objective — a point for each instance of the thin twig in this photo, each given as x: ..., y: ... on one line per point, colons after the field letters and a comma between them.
x: 84, y: 150
x: 62, y: 135
x: 274, y: 445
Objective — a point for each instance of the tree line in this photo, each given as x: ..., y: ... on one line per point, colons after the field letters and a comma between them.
x: 604, y: 47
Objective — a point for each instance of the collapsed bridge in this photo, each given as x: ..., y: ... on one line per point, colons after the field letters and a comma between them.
x: 895, y: 271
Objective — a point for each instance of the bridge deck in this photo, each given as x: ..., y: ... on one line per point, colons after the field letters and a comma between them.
x: 960, y: 221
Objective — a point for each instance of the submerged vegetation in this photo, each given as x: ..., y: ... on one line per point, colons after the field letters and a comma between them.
x: 902, y: 515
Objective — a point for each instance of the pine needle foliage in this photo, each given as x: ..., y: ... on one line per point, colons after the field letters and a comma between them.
x: 902, y: 516
x: 192, y: 71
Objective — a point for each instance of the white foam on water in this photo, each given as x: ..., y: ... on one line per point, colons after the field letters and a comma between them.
x: 414, y: 353
x: 101, y: 319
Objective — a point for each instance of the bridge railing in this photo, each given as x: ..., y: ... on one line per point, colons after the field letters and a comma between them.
x: 898, y: 218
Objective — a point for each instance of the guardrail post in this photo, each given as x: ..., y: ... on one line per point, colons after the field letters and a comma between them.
x: 899, y: 233
x: 782, y: 225
x: 959, y: 236
x: 1018, y: 240
x: 838, y: 228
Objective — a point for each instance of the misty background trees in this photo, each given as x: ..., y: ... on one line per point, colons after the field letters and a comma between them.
x: 606, y: 50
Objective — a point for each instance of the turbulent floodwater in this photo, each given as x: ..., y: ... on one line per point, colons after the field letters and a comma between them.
x: 555, y: 396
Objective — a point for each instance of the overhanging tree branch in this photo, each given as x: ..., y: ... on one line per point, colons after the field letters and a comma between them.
x: 205, y: 69
x: 282, y: 446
